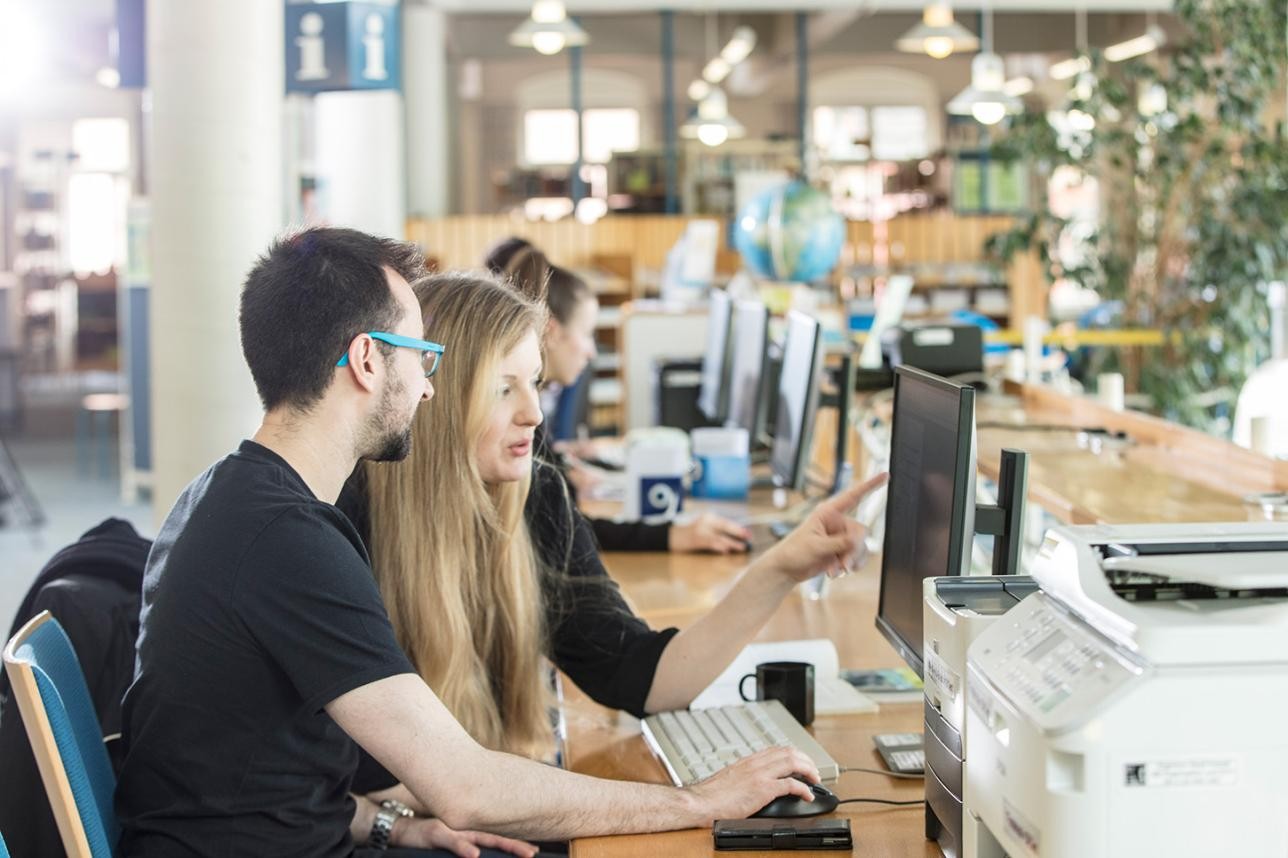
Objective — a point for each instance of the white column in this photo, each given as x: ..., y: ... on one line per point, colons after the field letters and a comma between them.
x: 425, y: 90
x: 359, y: 160
x: 215, y: 73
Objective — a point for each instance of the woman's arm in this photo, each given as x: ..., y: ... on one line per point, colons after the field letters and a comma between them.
x: 830, y: 540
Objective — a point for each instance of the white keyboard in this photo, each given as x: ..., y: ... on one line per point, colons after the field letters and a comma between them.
x: 694, y: 745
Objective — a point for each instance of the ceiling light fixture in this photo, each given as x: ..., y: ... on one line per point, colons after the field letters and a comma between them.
x: 711, y: 123
x: 1071, y: 67
x: 1151, y: 40
x: 737, y: 49
x: 1080, y: 62
x: 549, y: 30
x: 985, y: 98
x: 938, y: 34
x: 1018, y: 86
x: 699, y: 90
x: 739, y: 46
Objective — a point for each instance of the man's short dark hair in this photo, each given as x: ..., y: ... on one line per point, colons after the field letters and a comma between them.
x: 306, y: 299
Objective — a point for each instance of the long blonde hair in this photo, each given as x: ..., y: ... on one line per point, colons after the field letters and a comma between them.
x: 452, y: 555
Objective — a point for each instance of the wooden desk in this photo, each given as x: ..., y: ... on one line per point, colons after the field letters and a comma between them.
x: 1168, y: 474
x: 673, y: 589
x: 1164, y: 473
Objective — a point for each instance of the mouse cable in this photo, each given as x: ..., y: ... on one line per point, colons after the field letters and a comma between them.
x: 889, y: 774
x: 919, y: 801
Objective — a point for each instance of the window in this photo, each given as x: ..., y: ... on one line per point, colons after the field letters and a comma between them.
x: 97, y: 194
x: 899, y: 133
x: 549, y: 136
x: 885, y: 133
x: 842, y: 133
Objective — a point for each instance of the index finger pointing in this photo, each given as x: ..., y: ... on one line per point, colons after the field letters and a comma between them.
x: 847, y: 499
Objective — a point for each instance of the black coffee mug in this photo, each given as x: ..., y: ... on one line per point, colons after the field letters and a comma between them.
x: 789, y: 682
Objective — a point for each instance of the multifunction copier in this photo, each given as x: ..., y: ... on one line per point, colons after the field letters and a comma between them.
x: 1137, y: 704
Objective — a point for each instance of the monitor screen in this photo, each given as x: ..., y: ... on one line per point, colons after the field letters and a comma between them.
x: 747, y: 366
x: 927, y: 505
x: 797, y: 400
x: 712, y: 396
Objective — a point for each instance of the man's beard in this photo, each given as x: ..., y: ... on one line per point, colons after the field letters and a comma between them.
x: 393, y: 441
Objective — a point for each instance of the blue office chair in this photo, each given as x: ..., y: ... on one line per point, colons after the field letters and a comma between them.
x: 4, y: 851
x: 65, y: 735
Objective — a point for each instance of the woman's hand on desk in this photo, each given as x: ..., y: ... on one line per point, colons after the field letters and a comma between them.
x: 829, y: 540
x: 708, y: 532
x: 426, y: 833
x: 739, y: 790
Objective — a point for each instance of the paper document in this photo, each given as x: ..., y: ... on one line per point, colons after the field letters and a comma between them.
x: 832, y: 694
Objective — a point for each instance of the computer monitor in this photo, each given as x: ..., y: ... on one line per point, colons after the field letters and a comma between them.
x: 747, y: 392
x: 713, y: 396
x: 797, y: 400
x: 931, y: 515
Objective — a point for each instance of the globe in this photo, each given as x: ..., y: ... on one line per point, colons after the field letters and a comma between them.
x: 789, y: 233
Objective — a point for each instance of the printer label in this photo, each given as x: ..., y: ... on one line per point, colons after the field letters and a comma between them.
x: 1204, y: 772
x: 941, y: 676
x: 1021, y: 829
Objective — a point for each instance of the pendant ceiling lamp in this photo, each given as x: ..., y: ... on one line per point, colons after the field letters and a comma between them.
x: 711, y: 122
x: 986, y: 98
x: 938, y: 34
x: 548, y: 30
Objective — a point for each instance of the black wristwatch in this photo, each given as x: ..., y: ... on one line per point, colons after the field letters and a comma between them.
x: 383, y: 825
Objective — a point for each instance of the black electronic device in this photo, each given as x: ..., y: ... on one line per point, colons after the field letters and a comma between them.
x: 797, y: 400
x: 774, y: 834
x: 713, y: 395
x: 931, y: 515
x: 793, y: 806
x: 941, y: 349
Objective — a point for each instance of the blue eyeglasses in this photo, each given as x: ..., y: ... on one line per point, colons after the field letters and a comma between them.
x: 432, y: 351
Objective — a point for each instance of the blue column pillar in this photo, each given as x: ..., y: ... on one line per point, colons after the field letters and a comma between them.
x: 802, y: 87
x: 574, y: 76
x: 670, y: 142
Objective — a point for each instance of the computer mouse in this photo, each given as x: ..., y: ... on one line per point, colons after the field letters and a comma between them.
x: 787, y: 806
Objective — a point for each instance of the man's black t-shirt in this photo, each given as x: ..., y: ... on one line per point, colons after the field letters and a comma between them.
x: 259, y: 608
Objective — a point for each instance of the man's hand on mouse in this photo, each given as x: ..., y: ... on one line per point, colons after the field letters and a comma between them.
x: 741, y: 789
x: 829, y: 540
x: 708, y: 532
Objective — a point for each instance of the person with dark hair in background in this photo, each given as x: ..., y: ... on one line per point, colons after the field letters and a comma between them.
x: 265, y: 652
x: 569, y: 345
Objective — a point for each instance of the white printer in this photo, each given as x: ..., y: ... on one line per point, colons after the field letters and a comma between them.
x: 1137, y: 704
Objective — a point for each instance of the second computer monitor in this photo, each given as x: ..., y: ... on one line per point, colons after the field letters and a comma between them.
x: 713, y: 396
x: 930, y: 503
x: 797, y: 398
x: 747, y: 368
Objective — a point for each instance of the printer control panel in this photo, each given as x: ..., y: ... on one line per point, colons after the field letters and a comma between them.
x: 1049, y: 665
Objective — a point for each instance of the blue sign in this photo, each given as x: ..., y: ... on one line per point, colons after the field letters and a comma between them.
x: 131, y: 44
x: 342, y: 46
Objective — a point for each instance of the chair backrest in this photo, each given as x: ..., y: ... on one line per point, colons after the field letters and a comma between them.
x: 4, y: 851
x: 65, y: 735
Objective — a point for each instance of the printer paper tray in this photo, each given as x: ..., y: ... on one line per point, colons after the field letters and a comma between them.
x: 1261, y: 570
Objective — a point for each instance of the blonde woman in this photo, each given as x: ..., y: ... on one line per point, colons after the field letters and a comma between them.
x: 568, y: 343
x: 480, y: 593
